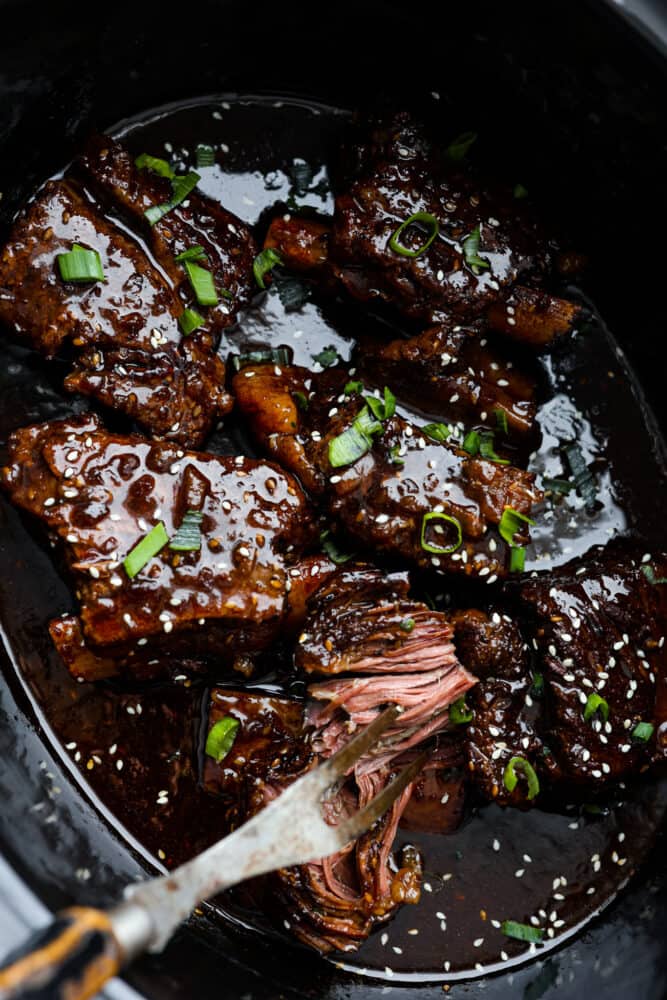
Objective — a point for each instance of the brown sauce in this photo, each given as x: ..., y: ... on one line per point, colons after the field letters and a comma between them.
x: 136, y: 748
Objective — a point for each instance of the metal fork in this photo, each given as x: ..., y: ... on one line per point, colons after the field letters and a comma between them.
x: 84, y: 947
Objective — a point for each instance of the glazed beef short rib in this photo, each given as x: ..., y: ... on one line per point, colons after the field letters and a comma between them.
x: 389, y: 499
x: 99, y: 494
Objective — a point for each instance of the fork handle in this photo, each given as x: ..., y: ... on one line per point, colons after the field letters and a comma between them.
x: 71, y: 959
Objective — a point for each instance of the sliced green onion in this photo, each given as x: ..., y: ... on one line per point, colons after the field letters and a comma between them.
x: 328, y: 357
x: 221, y: 737
x: 300, y: 399
x: 192, y: 253
x: 510, y: 522
x: 336, y: 555
x: 395, y: 455
x: 143, y: 551
x: 435, y: 515
x: 458, y: 147
x: 351, y: 387
x: 181, y: 187
x: 517, y: 559
x: 584, y: 480
x: 595, y: 704
x: 155, y: 164
x: 459, y: 713
x: 643, y: 731
x: 383, y: 410
x: 355, y: 441
x: 426, y: 219
x: 188, y: 536
x: 649, y: 573
x: 557, y: 485
x: 481, y: 443
x: 470, y: 247
x: 202, y: 283
x: 264, y: 263
x: 438, y: 432
x: 204, y: 155
x: 537, y: 687
x: 190, y: 320
x: 270, y: 356
x: 80, y: 264
x: 501, y: 420
x: 407, y: 625
x: 520, y: 191
x: 511, y: 778
x: 521, y: 932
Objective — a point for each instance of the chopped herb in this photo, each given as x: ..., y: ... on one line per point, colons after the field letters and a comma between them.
x: 438, y: 432
x: 470, y: 247
x: 584, y: 480
x: 292, y: 292
x: 155, y: 164
x: 190, y: 320
x: 520, y: 191
x: 595, y: 704
x: 202, y: 283
x: 328, y: 357
x: 270, y: 356
x: 143, y: 551
x: 459, y: 713
x: 80, y: 265
x: 300, y: 399
x: 458, y: 147
x: 510, y: 522
x: 521, y: 932
x: 557, y: 485
x: 501, y: 421
x: 511, y: 778
x: 517, y: 559
x: 649, y: 573
x: 205, y: 155
x: 181, y: 186
x: 221, y: 737
x: 440, y: 549
x: 383, y: 410
x: 188, y: 536
x: 537, y: 687
x: 355, y: 441
x: 481, y: 443
x: 351, y: 387
x: 419, y: 218
x: 643, y: 731
x: 264, y: 263
x: 395, y: 454
x: 192, y: 253
x: 330, y: 547
x: 407, y: 625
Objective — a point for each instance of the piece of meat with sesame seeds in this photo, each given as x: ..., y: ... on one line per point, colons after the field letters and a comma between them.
x: 599, y: 623
x: 408, y: 495
x: 99, y: 494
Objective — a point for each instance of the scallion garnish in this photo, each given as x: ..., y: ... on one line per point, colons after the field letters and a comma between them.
x: 437, y: 432
x: 300, y: 399
x: 80, y: 265
x: 407, y: 625
x: 520, y: 191
x: 481, y: 443
x: 584, y: 480
x: 155, y: 164
x: 395, y: 455
x: 270, y: 356
x: 264, y: 263
x: 423, y: 218
x: 181, y: 186
x: 517, y: 559
x: 143, y: 551
x: 458, y: 147
x: 643, y: 731
x: 557, y: 485
x: 537, y: 687
x: 521, y: 932
x: 383, y: 410
x: 595, y: 703
x: 190, y: 320
x: 470, y: 247
x: 511, y: 778
x: 202, y: 283
x: 649, y: 573
x: 220, y: 739
x: 188, y: 536
x: 501, y: 421
x: 204, y: 155
x: 326, y: 358
x: 435, y: 515
x: 192, y: 253
x: 351, y: 387
x: 355, y: 441
x: 459, y: 713
x: 511, y: 522
x: 329, y: 545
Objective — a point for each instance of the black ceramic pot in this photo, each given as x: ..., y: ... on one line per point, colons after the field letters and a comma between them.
x: 575, y: 95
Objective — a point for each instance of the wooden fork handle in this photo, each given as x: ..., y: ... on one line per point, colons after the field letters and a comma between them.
x: 71, y: 959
